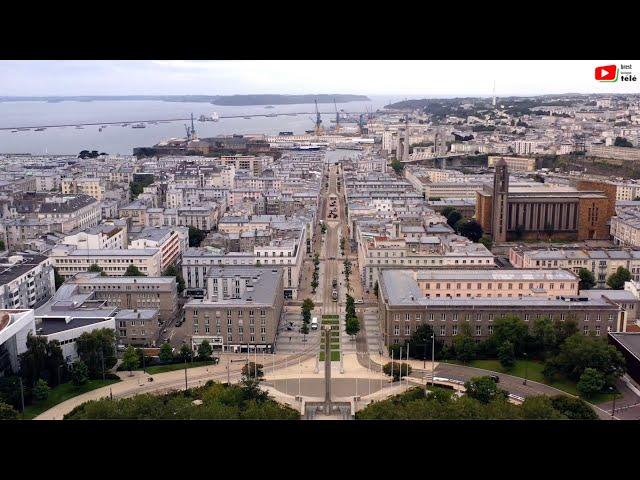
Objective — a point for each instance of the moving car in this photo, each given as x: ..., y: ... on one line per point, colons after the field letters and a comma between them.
x: 314, y: 323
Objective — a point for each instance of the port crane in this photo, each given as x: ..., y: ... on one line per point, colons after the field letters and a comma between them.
x: 337, y: 116
x: 191, y: 132
x: 318, y: 121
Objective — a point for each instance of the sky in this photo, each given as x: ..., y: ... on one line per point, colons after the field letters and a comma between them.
x: 414, y: 78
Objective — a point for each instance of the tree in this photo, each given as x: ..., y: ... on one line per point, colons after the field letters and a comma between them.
x: 323, y: 228
x: 41, y: 390
x: 398, y: 367
x: 616, y: 281
x: 130, y: 359
x: 397, y: 166
x: 7, y: 412
x: 185, y: 353
x: 58, y: 279
x: 2, y: 245
x: 465, y: 345
x: 307, y: 304
x: 544, y: 334
x: 447, y: 210
x: 253, y: 370
x: 166, y: 353
x: 483, y: 389
x: 352, y: 325
x: 205, y: 350
x: 573, y: 408
x: 539, y: 407
x: 472, y: 230
x: 622, y: 142
x: 591, y: 382
x: 96, y: 268
x: 510, y: 328
x: 587, y: 279
x: 133, y: 271
x: 93, y: 347
x: 421, y: 337
x: 195, y: 236
x: 580, y: 352
x: 376, y: 289
x: 453, y: 218
x: 506, y: 354
x: 487, y: 242
x: 79, y: 373
x: 172, y: 271
x: 42, y: 359
x: 564, y: 330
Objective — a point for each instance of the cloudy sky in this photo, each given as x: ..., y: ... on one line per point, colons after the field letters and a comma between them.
x: 368, y: 77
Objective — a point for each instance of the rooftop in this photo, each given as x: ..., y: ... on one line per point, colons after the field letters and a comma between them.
x: 18, y: 264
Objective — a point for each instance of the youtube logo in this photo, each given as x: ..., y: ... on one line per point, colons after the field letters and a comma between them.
x: 607, y: 73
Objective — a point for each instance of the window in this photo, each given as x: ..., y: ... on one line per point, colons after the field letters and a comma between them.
x: 454, y: 330
x: 455, y: 317
x: 407, y: 317
x: 443, y: 330
x: 597, y: 330
x: 443, y: 316
x: 478, y: 330
x: 490, y: 328
x: 586, y: 317
x: 407, y: 329
x: 418, y: 316
x: 491, y: 317
x: 396, y: 330
x: 526, y: 317
x: 396, y: 317
x: 611, y: 317
x: 431, y: 317
x: 585, y: 330
x: 478, y: 317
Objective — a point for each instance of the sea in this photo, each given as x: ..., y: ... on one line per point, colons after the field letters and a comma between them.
x: 116, y: 139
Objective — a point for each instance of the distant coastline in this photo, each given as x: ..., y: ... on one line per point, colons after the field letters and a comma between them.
x: 225, y: 100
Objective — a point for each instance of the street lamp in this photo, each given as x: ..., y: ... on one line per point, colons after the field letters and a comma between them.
x: 613, y: 408
x: 433, y: 355
x: 525, y: 368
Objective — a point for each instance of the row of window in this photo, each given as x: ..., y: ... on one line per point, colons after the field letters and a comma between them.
x: 433, y: 262
x: 443, y: 316
x: 229, y: 311
x: 263, y: 321
x: 489, y: 286
x: 454, y: 330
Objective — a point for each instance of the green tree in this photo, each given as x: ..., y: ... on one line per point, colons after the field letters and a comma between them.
x: 352, y: 325
x: 323, y: 228
x: 447, y: 210
x: 510, y: 328
x: 97, y: 268
x: 587, y: 280
x: 376, y: 290
x: 580, y: 352
x: 616, y: 280
x: 573, y: 408
x: 205, y: 350
x: 195, y: 236
x: 166, y: 353
x: 307, y: 304
x: 130, y: 359
x: 58, y: 279
x: 7, y: 412
x: 421, y: 337
x: 79, y: 373
x: 622, y: 142
x: 487, y: 242
x: 506, y: 354
x: 172, y: 271
x: 93, y: 347
x: 471, y: 230
x: 2, y: 245
x: 453, y: 218
x: 539, y: 407
x: 41, y: 390
x: 564, y: 330
x: 591, y: 382
x: 483, y: 389
x: 464, y: 344
x: 185, y: 353
x: 42, y: 359
x: 544, y: 334
x: 397, y: 166
x: 253, y: 370
x: 398, y: 367
x: 133, y: 271
x: 305, y: 328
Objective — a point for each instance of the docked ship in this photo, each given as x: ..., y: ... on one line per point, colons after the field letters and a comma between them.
x: 41, y: 129
x: 269, y: 106
x: 139, y: 125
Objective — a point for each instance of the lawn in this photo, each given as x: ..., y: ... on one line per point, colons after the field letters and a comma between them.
x: 335, y: 356
x: 176, y: 366
x: 534, y: 372
x: 330, y: 317
x: 61, y: 393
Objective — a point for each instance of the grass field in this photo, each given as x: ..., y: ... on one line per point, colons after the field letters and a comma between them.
x: 62, y: 393
x: 176, y: 366
x: 533, y: 371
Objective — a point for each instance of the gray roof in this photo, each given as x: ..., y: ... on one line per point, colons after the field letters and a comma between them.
x: 630, y: 341
x: 11, y: 271
x: 58, y: 323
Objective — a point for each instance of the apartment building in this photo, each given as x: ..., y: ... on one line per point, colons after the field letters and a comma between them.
x: 617, y: 153
x: 15, y: 327
x: 515, y: 164
x: 403, y: 307
x: 601, y: 262
x: 26, y: 280
x: 103, y: 236
x: 86, y: 185
x: 172, y: 242
x: 241, y: 311
x: 70, y: 260
x: 625, y: 227
x: 131, y: 293
x: 68, y: 212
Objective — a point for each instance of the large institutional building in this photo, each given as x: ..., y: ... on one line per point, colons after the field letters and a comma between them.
x: 534, y: 210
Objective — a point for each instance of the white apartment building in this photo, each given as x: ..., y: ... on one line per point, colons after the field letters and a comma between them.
x: 515, y: 164
x: 69, y: 260
x: 172, y: 242
x: 101, y: 237
x: 524, y: 147
x: 625, y: 228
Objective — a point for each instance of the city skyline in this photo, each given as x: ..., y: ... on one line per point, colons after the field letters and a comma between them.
x: 411, y: 78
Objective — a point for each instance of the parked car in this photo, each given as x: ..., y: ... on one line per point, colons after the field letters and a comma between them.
x: 495, y: 378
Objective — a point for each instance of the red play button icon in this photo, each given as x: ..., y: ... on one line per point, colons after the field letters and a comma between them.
x: 607, y: 73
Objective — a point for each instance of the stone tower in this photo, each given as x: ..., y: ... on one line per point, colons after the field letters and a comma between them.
x: 500, y: 202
